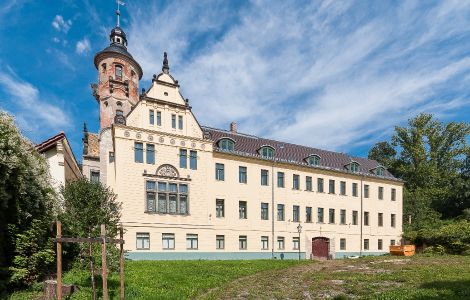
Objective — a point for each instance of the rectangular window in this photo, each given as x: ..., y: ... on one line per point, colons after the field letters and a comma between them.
x: 111, y: 157
x: 242, y: 210
x: 394, y: 194
x: 264, y: 243
x: 366, y: 244
x: 295, y: 243
x: 95, y: 176
x: 172, y: 198
x: 393, y: 220
x: 183, y: 158
x: 295, y: 182
x: 342, y: 187
x: 342, y: 216
x: 193, y: 160
x: 342, y: 244
x: 354, y: 217
x: 242, y: 242
x: 380, y: 244
x: 220, y: 241
x: 191, y: 241
x: 264, y: 177
x: 320, y: 185
x: 331, y: 186
x: 242, y: 174
x: 354, y: 189
x: 180, y: 122
x: 280, y: 179
x: 308, y: 214
x: 143, y: 241
x: 366, y: 218
x: 366, y: 191
x: 264, y: 211
x: 151, y: 117
x: 151, y: 194
x: 381, y: 193
x: 118, y: 72
x: 173, y: 121
x: 159, y: 118
x: 331, y: 214
x: 280, y: 212
x: 168, y: 241
x: 295, y: 213
x: 220, y: 208
x: 308, y: 183
x: 280, y: 243
x: 392, y: 242
x: 150, y: 154
x: 138, y: 152
x: 381, y: 219
x: 219, y: 172
x: 320, y: 215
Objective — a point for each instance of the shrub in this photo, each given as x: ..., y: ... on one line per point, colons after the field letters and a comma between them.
x: 435, y: 250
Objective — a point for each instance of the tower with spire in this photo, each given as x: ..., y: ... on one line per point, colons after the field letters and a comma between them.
x: 117, y: 90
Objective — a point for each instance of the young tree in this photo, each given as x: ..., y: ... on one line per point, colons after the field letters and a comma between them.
x: 86, y: 206
x: 27, y: 204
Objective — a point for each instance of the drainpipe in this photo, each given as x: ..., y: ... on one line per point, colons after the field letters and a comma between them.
x: 272, y: 210
x: 362, y: 215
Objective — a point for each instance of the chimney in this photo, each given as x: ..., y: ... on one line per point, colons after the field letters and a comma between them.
x: 233, y: 127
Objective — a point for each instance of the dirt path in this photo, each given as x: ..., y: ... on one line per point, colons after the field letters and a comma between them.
x: 316, y: 280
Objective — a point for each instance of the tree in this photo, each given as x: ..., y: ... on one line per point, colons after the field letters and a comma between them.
x: 27, y: 204
x: 86, y: 206
x: 431, y: 157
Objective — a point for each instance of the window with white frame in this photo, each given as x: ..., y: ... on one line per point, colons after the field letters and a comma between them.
x: 220, y: 241
x: 168, y: 241
x: 280, y: 243
x: 242, y: 242
x: 220, y: 208
x: 143, y: 241
x: 191, y: 241
x: 295, y: 243
x: 171, y: 197
x: 264, y: 243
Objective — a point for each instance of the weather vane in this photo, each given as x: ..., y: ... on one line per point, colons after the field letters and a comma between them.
x: 118, y: 12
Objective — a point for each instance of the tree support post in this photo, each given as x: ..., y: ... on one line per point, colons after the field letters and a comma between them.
x: 104, y: 271
x: 59, y: 261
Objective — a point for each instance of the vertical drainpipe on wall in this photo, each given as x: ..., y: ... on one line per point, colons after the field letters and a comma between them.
x: 272, y: 210
x: 362, y: 215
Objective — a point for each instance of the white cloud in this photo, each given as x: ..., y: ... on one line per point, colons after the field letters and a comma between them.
x: 60, y: 24
x: 32, y: 112
x: 332, y: 75
x: 83, y: 46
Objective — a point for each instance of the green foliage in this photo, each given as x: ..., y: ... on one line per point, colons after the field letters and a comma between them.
x: 27, y: 200
x: 435, y: 250
x: 432, y: 158
x: 34, y: 254
x: 86, y: 206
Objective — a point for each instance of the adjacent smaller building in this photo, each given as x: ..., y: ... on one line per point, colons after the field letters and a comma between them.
x: 63, y: 166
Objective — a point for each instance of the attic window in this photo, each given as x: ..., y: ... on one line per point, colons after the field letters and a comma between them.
x: 103, y: 67
x: 226, y: 144
x: 313, y: 160
x: 380, y: 171
x: 132, y: 74
x: 354, y: 167
x: 119, y: 103
x: 267, y: 152
x: 165, y: 93
x: 119, y: 113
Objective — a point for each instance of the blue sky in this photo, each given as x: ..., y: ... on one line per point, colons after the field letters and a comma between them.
x: 338, y: 75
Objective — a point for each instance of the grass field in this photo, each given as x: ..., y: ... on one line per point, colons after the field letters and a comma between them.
x: 385, y: 277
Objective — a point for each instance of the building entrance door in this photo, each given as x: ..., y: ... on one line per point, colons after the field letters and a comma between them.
x: 320, y: 247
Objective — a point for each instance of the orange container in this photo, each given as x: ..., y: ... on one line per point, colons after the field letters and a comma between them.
x: 403, y: 250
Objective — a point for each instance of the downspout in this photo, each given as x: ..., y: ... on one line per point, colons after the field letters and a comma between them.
x: 361, y: 218
x: 272, y: 210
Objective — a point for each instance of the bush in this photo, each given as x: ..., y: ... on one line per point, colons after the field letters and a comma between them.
x: 435, y: 250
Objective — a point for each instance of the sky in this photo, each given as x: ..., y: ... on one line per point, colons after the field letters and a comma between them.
x: 337, y: 75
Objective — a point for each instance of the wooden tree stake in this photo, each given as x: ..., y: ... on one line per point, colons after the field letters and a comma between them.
x: 121, y: 261
x: 104, y: 271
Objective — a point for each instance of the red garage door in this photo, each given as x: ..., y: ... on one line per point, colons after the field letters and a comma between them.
x: 320, y: 247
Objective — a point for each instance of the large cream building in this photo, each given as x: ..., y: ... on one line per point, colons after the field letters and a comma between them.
x: 194, y: 192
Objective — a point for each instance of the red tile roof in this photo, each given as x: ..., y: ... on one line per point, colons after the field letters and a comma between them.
x: 249, y: 145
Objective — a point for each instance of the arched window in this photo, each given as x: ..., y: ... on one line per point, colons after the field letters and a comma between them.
x: 118, y: 72
x: 313, y: 160
x: 380, y: 171
x: 227, y: 144
x: 119, y: 112
x: 354, y: 167
x: 267, y: 152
